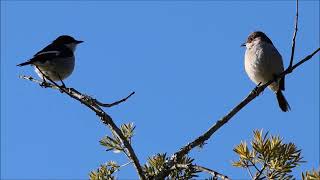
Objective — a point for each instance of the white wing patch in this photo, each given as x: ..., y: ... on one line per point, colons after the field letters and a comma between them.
x: 50, y: 52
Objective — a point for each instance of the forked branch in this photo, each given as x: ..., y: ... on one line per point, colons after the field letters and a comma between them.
x: 252, y: 95
x: 94, y: 105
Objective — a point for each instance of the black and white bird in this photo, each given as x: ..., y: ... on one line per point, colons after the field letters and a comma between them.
x: 56, y: 61
x: 263, y: 63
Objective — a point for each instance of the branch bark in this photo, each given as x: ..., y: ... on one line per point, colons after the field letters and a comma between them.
x: 252, y: 95
x: 114, y: 103
x: 94, y: 105
x: 213, y: 173
x: 205, y: 136
x: 294, y: 35
x: 260, y: 172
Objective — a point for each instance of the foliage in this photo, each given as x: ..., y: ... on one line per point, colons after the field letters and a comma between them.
x: 104, y: 172
x: 269, y: 157
x: 114, y: 143
x: 182, y: 169
x: 311, y: 175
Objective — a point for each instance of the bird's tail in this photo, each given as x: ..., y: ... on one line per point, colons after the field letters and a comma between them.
x: 283, y: 103
x: 25, y: 63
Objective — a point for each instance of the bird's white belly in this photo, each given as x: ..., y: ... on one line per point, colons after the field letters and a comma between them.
x: 259, y: 69
x: 56, y: 69
x: 256, y: 71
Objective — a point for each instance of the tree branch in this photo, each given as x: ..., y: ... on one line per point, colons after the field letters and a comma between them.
x: 205, y: 136
x: 114, y: 103
x: 213, y: 173
x: 252, y: 95
x: 123, y: 165
x: 260, y: 172
x: 105, y: 118
x: 253, y: 165
x: 249, y: 171
x: 294, y: 36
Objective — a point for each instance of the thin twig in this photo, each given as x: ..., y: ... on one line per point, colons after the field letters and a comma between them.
x: 114, y: 103
x: 205, y: 136
x: 30, y: 78
x: 252, y: 95
x: 249, y: 171
x: 123, y: 165
x: 260, y: 172
x: 305, y: 59
x: 254, y: 165
x: 213, y: 173
x: 248, y: 167
x: 294, y: 35
x: 105, y: 118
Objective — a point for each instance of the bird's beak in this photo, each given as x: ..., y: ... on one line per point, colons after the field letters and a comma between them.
x: 242, y: 45
x: 78, y: 42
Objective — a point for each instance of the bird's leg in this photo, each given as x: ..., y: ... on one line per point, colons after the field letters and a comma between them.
x: 63, y: 85
x: 275, y: 77
x: 44, y: 83
x: 255, y: 90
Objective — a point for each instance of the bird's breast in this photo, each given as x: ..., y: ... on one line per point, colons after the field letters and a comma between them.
x: 54, y: 68
x: 262, y: 63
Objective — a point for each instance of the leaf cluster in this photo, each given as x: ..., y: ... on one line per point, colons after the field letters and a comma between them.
x: 114, y: 143
x: 269, y: 157
x: 105, y: 171
x: 311, y: 175
x: 181, y: 170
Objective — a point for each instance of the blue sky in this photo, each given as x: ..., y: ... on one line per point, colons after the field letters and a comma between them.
x: 184, y: 61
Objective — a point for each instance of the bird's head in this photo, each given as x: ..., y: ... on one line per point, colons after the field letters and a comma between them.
x: 255, y: 37
x: 68, y: 41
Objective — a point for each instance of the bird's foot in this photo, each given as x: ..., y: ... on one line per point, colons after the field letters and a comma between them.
x: 63, y: 86
x: 275, y: 77
x: 44, y: 84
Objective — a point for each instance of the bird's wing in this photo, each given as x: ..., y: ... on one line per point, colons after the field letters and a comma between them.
x: 277, y: 65
x: 50, y: 47
x: 51, y: 52
x: 44, y: 56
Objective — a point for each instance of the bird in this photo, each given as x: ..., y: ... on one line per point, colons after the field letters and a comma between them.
x: 56, y: 61
x: 263, y: 63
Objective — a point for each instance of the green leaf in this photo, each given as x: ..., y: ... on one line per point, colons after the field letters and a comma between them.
x: 311, y: 175
x: 104, y: 172
x: 111, y: 144
x: 128, y: 130
x: 276, y: 157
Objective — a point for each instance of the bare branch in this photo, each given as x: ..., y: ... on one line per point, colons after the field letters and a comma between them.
x: 252, y: 95
x: 252, y: 164
x: 260, y: 172
x: 213, y: 173
x: 249, y: 171
x: 248, y: 167
x: 123, y: 165
x: 114, y: 103
x: 305, y: 59
x: 294, y: 36
x: 105, y: 118
x: 205, y: 136
x: 30, y: 78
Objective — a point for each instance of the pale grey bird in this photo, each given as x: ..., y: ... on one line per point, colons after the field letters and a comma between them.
x: 263, y: 63
x: 56, y: 60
